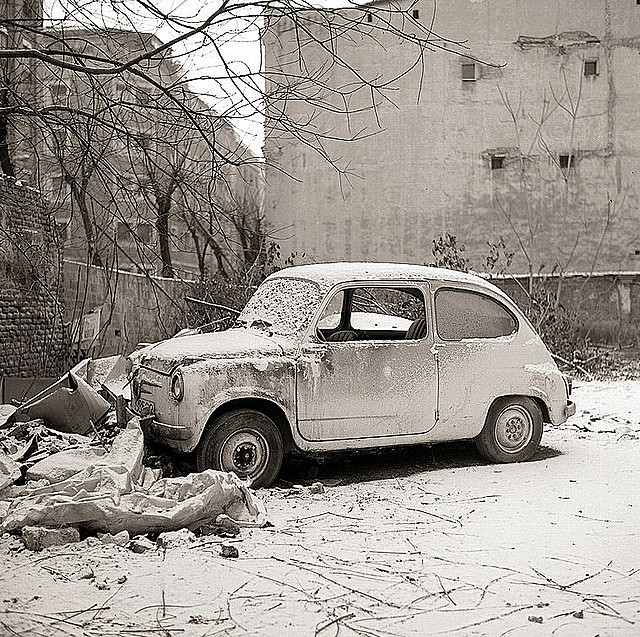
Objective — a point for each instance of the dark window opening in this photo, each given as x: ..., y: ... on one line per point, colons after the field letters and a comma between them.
x: 497, y: 162
x: 637, y: 252
x: 144, y: 232
x: 374, y: 314
x: 123, y: 232
x: 567, y: 161
x: 369, y: 17
x: 415, y: 13
x: 468, y: 71
x: 591, y: 67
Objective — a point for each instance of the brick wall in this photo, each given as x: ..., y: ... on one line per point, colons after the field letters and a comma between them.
x: 31, y: 328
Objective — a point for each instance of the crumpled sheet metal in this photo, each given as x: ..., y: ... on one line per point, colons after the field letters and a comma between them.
x: 69, y: 405
x: 107, y: 499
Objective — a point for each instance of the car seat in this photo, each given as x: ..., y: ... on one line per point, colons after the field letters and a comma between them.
x: 342, y: 336
x: 417, y: 329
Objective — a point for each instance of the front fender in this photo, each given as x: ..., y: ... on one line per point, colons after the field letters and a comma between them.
x: 209, y: 385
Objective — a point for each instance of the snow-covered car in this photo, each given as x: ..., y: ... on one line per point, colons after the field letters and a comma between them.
x: 342, y: 356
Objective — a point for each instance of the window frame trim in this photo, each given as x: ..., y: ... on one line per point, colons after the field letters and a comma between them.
x: 472, y: 338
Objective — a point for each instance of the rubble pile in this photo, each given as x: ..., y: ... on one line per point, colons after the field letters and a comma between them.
x: 76, y: 468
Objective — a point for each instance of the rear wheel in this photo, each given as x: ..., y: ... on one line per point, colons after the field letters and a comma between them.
x: 512, y: 430
x: 243, y: 441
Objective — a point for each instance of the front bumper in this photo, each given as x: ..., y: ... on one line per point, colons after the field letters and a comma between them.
x: 164, y: 431
x: 570, y: 409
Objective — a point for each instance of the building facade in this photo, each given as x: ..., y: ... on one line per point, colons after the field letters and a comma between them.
x: 520, y: 123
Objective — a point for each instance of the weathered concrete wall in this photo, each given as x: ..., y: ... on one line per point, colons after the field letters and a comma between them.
x: 31, y: 328
x: 423, y: 164
x: 116, y: 310
x: 607, y: 305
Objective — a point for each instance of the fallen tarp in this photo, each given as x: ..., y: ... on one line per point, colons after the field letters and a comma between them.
x: 107, y: 499
x: 70, y: 405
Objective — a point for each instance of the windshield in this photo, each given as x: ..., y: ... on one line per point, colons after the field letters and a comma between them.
x: 282, y: 306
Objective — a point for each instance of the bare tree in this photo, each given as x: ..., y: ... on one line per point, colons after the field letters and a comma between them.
x: 108, y: 74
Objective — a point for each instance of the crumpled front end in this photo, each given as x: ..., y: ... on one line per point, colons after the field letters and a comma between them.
x: 155, y: 398
x: 177, y: 385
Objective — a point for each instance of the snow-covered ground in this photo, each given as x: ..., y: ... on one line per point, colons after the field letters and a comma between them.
x: 402, y: 542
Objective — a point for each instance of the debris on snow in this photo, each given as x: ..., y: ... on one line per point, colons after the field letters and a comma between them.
x: 141, y: 544
x: 172, y: 539
x: 9, y: 471
x: 126, y: 451
x: 316, y: 487
x: 120, y: 539
x: 228, y: 550
x: 36, y: 538
x: 107, y: 498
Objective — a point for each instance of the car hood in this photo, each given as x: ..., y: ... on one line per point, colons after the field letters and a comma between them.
x: 233, y: 343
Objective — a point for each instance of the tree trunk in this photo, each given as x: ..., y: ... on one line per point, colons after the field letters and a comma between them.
x: 5, y: 158
x: 162, y: 227
x: 78, y: 194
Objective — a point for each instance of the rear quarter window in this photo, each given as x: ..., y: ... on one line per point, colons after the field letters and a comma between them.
x: 464, y: 314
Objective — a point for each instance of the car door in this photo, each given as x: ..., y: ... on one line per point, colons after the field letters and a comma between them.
x: 476, y: 359
x: 366, y: 370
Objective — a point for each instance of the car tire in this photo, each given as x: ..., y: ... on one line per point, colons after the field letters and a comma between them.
x: 245, y: 442
x: 512, y: 430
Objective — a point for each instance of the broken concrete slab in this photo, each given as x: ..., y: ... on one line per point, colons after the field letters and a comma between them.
x: 6, y: 414
x: 9, y: 471
x: 126, y: 452
x: 173, y: 539
x: 120, y: 539
x: 36, y: 538
x: 70, y: 405
x: 141, y: 544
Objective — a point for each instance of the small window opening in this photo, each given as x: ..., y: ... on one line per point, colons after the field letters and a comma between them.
x: 591, y: 67
x: 415, y: 13
x: 468, y: 71
x: 567, y: 161
x: 369, y: 17
x: 637, y: 252
x: 497, y: 162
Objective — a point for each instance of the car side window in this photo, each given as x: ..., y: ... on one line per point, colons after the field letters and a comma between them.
x: 374, y: 313
x: 464, y: 314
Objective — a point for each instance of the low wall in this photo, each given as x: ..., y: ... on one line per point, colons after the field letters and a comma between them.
x: 117, y: 310
x: 111, y: 311
x: 607, y: 305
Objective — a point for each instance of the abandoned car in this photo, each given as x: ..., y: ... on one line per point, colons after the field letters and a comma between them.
x: 353, y: 355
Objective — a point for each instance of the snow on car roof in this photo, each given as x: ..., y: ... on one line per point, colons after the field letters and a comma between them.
x: 328, y: 274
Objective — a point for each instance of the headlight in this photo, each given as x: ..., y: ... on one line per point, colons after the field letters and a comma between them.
x: 177, y: 385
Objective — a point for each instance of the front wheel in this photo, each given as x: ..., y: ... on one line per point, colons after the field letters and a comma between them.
x: 512, y: 430
x: 243, y: 441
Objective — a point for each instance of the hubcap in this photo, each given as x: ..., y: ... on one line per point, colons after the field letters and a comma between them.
x: 244, y: 452
x: 514, y: 429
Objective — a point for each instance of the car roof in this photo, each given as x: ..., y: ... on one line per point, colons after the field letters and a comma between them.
x: 329, y: 274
